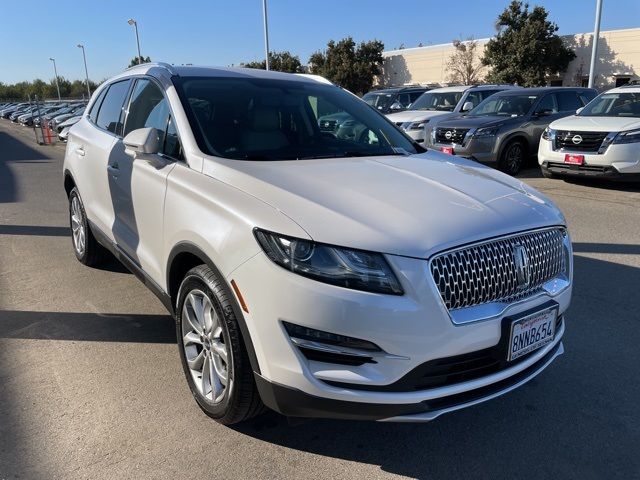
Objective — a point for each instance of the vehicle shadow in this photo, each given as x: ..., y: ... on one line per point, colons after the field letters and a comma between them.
x: 87, y: 327
x: 580, y: 414
x: 13, y: 150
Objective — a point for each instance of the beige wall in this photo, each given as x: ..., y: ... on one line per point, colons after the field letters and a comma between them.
x: 618, y: 54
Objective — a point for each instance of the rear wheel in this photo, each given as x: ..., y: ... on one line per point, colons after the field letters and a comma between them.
x: 512, y: 158
x: 87, y: 249
x: 213, y: 354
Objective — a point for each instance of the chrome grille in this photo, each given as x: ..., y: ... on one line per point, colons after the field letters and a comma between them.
x: 586, y: 141
x: 489, y: 272
x: 451, y: 135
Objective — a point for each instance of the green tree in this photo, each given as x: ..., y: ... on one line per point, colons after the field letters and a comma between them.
x: 136, y: 61
x: 526, y: 49
x: 351, y: 67
x: 280, y: 62
x: 465, y: 64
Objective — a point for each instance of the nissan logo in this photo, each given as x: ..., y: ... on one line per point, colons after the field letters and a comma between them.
x: 576, y: 139
x: 448, y: 135
x: 521, y: 260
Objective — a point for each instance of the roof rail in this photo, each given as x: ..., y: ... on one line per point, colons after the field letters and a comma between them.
x: 164, y: 65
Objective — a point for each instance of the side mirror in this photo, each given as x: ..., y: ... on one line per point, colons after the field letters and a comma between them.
x: 142, y: 141
x: 467, y: 106
x: 579, y: 110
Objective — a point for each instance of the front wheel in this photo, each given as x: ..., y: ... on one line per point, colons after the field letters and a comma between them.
x: 213, y: 354
x: 512, y: 158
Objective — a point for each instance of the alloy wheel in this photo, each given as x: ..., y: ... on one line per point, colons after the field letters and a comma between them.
x: 206, y: 352
x: 77, y: 226
x: 514, y: 158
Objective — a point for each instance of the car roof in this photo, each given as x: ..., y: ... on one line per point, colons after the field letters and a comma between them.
x: 160, y: 69
x: 625, y: 89
x: 542, y: 90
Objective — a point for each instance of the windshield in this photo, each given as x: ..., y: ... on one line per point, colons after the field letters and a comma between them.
x: 507, y: 105
x: 264, y: 119
x: 443, y: 101
x: 613, y: 105
x: 381, y: 101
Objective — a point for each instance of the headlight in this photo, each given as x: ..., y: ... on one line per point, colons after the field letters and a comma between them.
x: 417, y: 125
x: 486, y: 132
x: 339, y: 266
x: 549, y: 134
x: 632, y: 136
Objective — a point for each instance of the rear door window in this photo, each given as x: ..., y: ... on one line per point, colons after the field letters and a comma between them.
x: 93, y: 115
x: 110, y: 113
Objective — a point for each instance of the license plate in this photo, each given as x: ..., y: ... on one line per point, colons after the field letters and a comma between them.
x: 573, y: 159
x: 532, y: 332
x: 447, y: 150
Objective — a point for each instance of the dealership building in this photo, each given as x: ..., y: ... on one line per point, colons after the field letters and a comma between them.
x: 618, y: 61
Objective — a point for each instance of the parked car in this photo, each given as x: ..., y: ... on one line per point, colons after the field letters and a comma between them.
x: 35, y: 114
x: 300, y: 271
x: 505, y: 128
x: 58, y: 119
x: 7, y: 111
x: 601, y: 140
x: 393, y: 99
x: 441, y: 104
x: 64, y: 128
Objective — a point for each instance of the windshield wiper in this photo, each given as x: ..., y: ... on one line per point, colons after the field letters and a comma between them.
x: 353, y: 153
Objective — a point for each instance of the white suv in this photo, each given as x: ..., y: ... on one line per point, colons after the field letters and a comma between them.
x: 335, y: 274
x: 601, y: 140
x: 441, y: 104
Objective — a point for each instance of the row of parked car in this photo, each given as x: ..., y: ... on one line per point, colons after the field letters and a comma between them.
x: 572, y: 130
x: 57, y: 116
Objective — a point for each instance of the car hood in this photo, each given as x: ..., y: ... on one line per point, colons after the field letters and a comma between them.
x: 596, y: 124
x: 404, y: 205
x: 467, y: 121
x: 414, y: 115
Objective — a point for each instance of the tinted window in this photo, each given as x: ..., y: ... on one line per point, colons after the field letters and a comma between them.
x: 548, y: 104
x: 404, y: 99
x: 147, y: 108
x: 413, y: 96
x: 568, y: 101
x: 109, y: 115
x: 260, y: 119
x: 93, y: 115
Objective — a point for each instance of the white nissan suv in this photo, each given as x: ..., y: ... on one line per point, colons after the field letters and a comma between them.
x: 601, y: 140
x: 320, y: 274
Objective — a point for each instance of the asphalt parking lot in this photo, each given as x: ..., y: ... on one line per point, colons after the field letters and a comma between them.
x: 91, y: 384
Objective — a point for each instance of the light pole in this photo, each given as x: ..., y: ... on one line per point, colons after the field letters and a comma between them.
x: 594, y: 48
x: 131, y: 21
x: 55, y: 71
x: 266, y: 34
x: 86, y: 72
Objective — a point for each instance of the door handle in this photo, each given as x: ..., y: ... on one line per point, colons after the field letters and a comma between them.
x: 113, y: 166
x: 80, y: 151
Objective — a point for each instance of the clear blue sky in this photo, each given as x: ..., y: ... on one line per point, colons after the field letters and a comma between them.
x: 214, y: 32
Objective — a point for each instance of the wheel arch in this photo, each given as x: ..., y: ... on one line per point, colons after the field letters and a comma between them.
x: 69, y: 182
x: 182, y: 258
x: 515, y: 137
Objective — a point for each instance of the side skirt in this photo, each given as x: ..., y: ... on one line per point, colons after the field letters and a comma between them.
x: 132, y: 266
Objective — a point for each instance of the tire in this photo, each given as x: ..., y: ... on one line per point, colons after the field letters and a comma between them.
x: 512, y: 158
x: 217, y: 348
x: 87, y: 249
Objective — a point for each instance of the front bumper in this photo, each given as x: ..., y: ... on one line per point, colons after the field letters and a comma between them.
x: 618, y: 162
x: 479, y: 149
x: 295, y: 403
x: 412, y: 329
